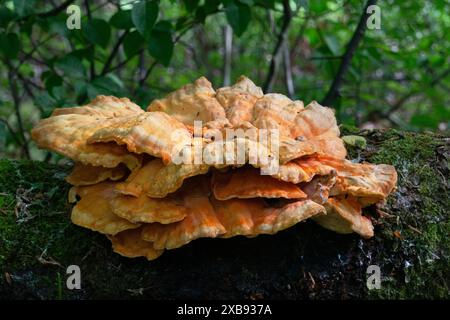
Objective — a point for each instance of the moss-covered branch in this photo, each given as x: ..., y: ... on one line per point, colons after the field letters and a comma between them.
x: 411, y: 246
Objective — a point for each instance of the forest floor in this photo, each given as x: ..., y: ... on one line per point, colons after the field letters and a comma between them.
x: 411, y: 244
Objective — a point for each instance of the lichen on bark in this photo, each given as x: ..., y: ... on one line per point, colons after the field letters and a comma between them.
x: 411, y: 243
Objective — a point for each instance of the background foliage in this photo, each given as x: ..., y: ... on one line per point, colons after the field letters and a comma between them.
x: 398, y: 76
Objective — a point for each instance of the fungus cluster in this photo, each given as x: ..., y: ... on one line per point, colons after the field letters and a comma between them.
x: 128, y: 186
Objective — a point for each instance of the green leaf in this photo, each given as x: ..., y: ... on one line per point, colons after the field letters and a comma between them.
x: 203, y: 11
x: 144, y: 95
x: 160, y: 46
x: 51, y: 80
x: 191, y: 5
x: 57, y: 25
x: 181, y: 22
x: 332, y: 43
x: 238, y: 16
x: 70, y: 65
x: 97, y: 32
x: 132, y: 43
x: 6, y: 16
x: 46, y: 102
x: 122, y: 19
x: 302, y: 3
x: 211, y: 5
x: 163, y: 25
x: 317, y: 6
x: 84, y: 53
x: 24, y: 7
x: 9, y: 45
x: 269, y: 4
x: 105, y: 85
x: 59, y: 93
x: 80, y: 87
x: 144, y: 15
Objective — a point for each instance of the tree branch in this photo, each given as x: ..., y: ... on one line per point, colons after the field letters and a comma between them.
x: 88, y: 9
x: 228, y: 48
x: 91, y: 62
x: 124, y: 62
x: 147, y: 73
x: 153, y: 65
x: 287, y: 17
x: 288, y: 71
x: 141, y: 67
x: 50, y: 13
x: 11, y: 130
x: 358, y: 35
x: 113, y: 53
x: 56, y: 10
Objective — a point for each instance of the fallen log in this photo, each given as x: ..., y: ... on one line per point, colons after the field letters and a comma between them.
x: 411, y: 246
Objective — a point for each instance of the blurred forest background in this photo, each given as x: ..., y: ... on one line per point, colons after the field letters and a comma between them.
x: 395, y: 76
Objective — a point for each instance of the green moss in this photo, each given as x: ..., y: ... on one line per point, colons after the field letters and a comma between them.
x: 421, y: 206
x: 34, y: 219
x: 407, y: 146
x: 346, y: 129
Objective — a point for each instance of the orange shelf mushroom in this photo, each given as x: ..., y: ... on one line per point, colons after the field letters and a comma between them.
x: 130, y: 184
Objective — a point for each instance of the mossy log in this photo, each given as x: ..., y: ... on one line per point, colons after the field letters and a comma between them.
x: 411, y: 243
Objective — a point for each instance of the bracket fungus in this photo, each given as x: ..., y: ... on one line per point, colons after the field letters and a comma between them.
x: 129, y: 183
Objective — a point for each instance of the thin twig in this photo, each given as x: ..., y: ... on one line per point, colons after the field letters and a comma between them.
x: 358, y: 35
x: 35, y: 48
x: 91, y: 62
x: 147, y: 73
x: 11, y: 130
x: 56, y: 10
x: 141, y: 67
x: 113, y: 53
x: 288, y: 71
x: 50, y: 13
x: 124, y: 62
x: 326, y: 58
x: 154, y: 63
x: 287, y: 17
x: 227, y: 48
x: 88, y: 9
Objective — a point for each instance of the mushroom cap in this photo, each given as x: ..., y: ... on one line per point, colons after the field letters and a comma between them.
x: 138, y: 179
x: 67, y: 131
x: 369, y: 183
x: 93, y: 210
x: 154, y: 133
x: 248, y: 182
x: 238, y: 100
x: 104, y: 107
x: 194, y: 101
x: 86, y: 174
x: 129, y: 244
x: 157, y: 180
x: 208, y: 217
x: 344, y: 216
x: 143, y: 209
